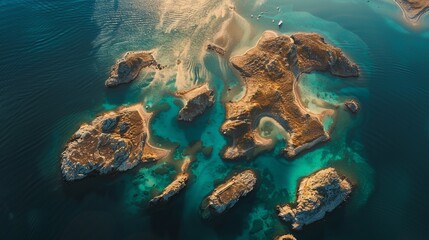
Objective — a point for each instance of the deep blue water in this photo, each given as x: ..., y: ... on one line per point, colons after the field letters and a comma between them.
x: 56, y: 55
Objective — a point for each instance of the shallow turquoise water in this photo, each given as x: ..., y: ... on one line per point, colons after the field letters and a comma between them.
x: 56, y: 56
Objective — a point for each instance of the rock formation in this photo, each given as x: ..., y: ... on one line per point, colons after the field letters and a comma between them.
x: 318, y: 194
x: 286, y: 237
x: 413, y: 10
x: 352, y: 106
x: 226, y: 195
x: 174, y: 187
x: 270, y: 71
x: 196, y: 101
x: 129, y: 66
x: 114, y: 141
x: 216, y: 48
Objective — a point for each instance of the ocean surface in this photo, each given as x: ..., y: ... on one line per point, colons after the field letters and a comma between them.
x: 56, y: 55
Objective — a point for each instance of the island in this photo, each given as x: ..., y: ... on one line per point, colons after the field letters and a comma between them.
x: 413, y: 10
x: 114, y: 141
x: 352, y: 106
x: 286, y: 237
x: 318, y: 194
x: 226, y: 195
x: 196, y: 102
x: 270, y: 73
x: 129, y: 66
x: 174, y: 187
x: 215, y: 48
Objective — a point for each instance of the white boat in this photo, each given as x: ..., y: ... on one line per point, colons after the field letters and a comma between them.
x: 280, y: 23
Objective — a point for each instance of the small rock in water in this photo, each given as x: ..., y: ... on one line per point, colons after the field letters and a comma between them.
x: 352, y: 106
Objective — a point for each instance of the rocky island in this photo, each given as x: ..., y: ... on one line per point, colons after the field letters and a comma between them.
x: 174, y: 187
x: 270, y: 72
x: 318, y: 194
x: 226, y: 195
x: 352, y: 106
x: 114, y: 141
x: 129, y: 66
x: 196, y: 101
x: 286, y: 237
x: 413, y: 10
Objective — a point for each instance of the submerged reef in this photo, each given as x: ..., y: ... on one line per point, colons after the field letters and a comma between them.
x: 129, y: 66
x: 413, y: 10
x: 226, y: 195
x: 318, y: 194
x: 114, y: 141
x: 197, y: 100
x: 270, y: 72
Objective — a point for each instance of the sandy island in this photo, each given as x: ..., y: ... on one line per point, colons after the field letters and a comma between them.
x: 270, y: 71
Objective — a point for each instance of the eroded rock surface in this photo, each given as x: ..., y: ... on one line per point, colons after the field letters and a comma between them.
x: 270, y: 71
x: 174, y: 187
x: 197, y: 101
x: 114, y: 141
x: 318, y: 194
x: 226, y: 195
x: 129, y: 66
x: 413, y: 9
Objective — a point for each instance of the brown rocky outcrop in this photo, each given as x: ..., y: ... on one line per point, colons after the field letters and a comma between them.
x: 114, y: 141
x: 226, y: 195
x: 197, y: 101
x: 270, y: 71
x: 318, y: 194
x: 129, y: 66
x: 352, y: 106
x: 286, y: 237
x: 174, y: 187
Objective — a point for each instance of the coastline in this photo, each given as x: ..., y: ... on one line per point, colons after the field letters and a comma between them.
x: 412, y: 19
x: 150, y: 151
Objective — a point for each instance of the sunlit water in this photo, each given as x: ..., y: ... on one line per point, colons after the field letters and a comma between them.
x: 56, y: 56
